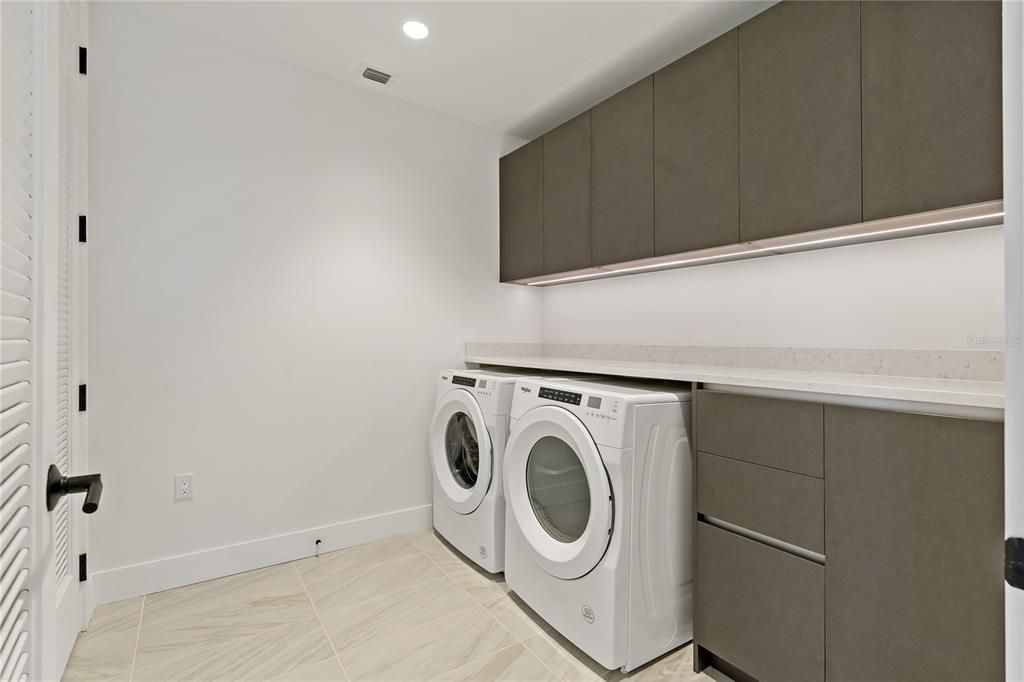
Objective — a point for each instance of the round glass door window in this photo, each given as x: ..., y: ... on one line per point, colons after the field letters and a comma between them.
x: 462, y: 449
x: 558, y: 489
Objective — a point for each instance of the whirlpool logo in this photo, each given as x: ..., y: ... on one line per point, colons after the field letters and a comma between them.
x: 526, y: 389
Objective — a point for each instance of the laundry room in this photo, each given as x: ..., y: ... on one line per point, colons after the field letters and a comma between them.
x: 514, y: 340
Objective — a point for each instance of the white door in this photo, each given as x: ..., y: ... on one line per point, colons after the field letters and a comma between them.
x: 460, y: 450
x: 558, y: 491
x: 41, y: 603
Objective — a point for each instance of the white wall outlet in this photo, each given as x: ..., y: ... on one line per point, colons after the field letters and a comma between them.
x: 183, y: 487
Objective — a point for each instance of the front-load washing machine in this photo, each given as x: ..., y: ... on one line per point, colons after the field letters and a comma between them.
x: 599, y: 530
x: 467, y: 441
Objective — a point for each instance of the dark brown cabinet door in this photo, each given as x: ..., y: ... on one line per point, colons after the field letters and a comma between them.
x: 696, y: 149
x: 521, y: 201
x: 913, y: 540
x: 567, y: 196
x: 932, y: 105
x: 800, y: 129
x: 623, y: 176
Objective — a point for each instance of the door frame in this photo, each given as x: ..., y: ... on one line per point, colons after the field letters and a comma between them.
x: 1013, y: 190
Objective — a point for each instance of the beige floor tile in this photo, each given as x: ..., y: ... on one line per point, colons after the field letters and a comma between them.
x: 429, y: 650
x: 449, y: 559
x: 330, y: 589
x: 675, y: 666
x: 270, y: 654
x: 514, y: 663
x: 486, y: 588
x: 352, y: 561
x: 101, y: 657
x: 211, y: 595
x: 324, y: 671
x: 353, y: 625
x: 564, y: 658
x: 115, y: 618
x: 518, y: 618
x: 166, y: 639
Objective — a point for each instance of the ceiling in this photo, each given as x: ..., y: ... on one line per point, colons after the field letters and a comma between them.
x: 515, y: 67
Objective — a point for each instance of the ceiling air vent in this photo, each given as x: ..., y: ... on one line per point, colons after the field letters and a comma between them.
x: 376, y: 76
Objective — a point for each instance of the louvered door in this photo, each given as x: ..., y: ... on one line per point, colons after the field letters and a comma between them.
x: 18, y: 301
x: 41, y: 604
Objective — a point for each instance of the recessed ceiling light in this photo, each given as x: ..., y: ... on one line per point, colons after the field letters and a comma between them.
x: 416, y: 30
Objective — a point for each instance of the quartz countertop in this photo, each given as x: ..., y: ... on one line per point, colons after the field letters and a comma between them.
x: 961, y: 389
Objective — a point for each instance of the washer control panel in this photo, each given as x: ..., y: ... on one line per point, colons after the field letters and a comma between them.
x: 463, y: 381
x: 560, y: 396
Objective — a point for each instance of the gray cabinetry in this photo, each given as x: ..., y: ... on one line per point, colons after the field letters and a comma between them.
x: 907, y: 513
x: 788, y: 507
x: 799, y: 119
x: 696, y: 150
x: 521, y: 211
x: 913, y: 536
x: 759, y: 608
x: 783, y: 434
x: 567, y: 196
x: 932, y: 105
x: 622, y: 151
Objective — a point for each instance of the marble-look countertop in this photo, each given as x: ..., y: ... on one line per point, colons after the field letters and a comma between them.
x: 962, y: 389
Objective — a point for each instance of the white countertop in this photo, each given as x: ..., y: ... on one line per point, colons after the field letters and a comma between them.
x: 950, y: 392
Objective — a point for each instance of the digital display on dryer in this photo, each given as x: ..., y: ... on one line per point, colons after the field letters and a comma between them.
x: 561, y: 396
x: 463, y: 381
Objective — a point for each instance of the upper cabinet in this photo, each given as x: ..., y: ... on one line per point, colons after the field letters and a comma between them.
x: 799, y: 119
x: 811, y: 115
x: 567, y: 196
x: 696, y: 149
x: 521, y: 212
x: 932, y: 105
x: 622, y: 150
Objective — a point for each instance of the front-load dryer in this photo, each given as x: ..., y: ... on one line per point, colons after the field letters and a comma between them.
x: 467, y: 440
x: 599, y: 529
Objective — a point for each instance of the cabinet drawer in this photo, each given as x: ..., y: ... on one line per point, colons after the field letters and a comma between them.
x: 759, y: 608
x: 786, y: 506
x: 784, y: 434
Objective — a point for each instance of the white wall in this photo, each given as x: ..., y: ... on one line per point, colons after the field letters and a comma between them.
x: 280, y: 264
x: 937, y: 292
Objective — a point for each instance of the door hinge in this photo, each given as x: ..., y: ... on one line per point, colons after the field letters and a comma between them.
x: 82, y: 391
x: 83, y: 567
x: 82, y: 223
x: 83, y: 60
x: 1015, y: 562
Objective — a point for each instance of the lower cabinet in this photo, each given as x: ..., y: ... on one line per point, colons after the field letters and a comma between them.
x: 914, y: 546
x: 759, y: 608
x: 910, y: 509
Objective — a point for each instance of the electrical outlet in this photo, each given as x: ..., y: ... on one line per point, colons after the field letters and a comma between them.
x: 183, y: 488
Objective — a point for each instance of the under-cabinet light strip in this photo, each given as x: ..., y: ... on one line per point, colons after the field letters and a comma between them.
x: 975, y: 215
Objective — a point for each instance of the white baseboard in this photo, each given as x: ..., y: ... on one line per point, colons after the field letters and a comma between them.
x: 184, y: 569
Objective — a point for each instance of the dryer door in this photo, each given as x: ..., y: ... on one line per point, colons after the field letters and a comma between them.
x: 460, y: 449
x: 558, y: 491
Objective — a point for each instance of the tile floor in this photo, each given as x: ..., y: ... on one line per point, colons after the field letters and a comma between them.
x: 404, y: 608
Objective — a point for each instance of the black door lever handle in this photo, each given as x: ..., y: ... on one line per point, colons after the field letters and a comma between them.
x: 58, y: 485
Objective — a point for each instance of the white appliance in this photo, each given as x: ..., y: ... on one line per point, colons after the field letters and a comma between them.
x: 467, y: 441
x: 599, y: 533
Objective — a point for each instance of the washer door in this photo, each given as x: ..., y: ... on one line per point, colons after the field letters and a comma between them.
x: 460, y: 448
x: 558, y: 491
